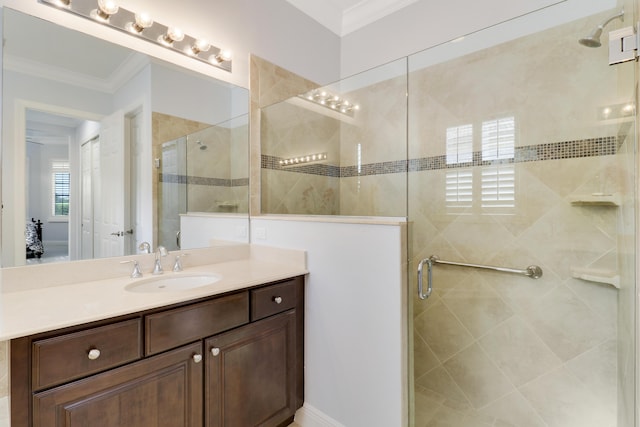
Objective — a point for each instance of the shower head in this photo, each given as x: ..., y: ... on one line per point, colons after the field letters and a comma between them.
x: 202, y: 146
x: 593, y: 39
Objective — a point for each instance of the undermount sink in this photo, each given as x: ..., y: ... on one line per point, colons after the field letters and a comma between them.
x: 173, y: 283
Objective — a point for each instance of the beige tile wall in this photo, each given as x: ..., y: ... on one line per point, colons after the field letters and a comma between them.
x: 494, y: 349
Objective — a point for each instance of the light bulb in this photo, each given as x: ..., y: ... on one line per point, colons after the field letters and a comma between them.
x: 143, y: 20
x: 174, y: 34
x: 109, y: 7
x: 105, y: 9
x: 200, y: 45
x: 223, y: 55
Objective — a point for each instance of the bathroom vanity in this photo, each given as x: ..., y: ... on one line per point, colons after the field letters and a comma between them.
x: 233, y: 357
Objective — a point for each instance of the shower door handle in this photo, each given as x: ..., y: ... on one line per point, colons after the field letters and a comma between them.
x: 429, y: 263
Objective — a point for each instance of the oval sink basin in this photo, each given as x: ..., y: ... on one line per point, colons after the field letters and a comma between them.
x: 173, y: 283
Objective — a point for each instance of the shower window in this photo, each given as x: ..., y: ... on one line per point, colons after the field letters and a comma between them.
x: 459, y: 144
x: 498, y: 188
x: 498, y: 139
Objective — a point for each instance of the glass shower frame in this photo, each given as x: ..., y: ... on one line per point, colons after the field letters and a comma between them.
x: 511, y: 164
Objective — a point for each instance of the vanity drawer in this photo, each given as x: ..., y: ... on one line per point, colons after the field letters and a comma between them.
x: 273, y: 299
x: 70, y: 356
x: 173, y: 328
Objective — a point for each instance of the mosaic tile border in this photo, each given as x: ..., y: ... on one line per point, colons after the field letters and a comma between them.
x: 200, y: 180
x: 591, y: 147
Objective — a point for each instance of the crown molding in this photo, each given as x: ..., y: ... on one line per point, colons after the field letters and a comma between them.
x: 343, y: 21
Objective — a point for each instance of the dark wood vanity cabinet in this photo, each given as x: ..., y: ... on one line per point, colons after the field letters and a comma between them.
x: 164, y: 390
x: 234, y: 360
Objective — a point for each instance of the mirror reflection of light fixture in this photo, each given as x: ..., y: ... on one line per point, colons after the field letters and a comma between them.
x: 301, y: 160
x: 107, y: 12
x: 142, y: 20
x: 331, y: 101
x: 617, y: 111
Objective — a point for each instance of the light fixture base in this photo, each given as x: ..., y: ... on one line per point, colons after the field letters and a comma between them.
x: 123, y: 21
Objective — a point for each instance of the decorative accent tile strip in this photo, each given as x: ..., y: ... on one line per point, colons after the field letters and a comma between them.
x: 272, y: 162
x: 532, y: 153
x: 200, y: 180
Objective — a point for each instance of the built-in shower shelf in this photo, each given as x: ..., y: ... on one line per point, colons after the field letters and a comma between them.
x: 608, y: 277
x: 596, y: 199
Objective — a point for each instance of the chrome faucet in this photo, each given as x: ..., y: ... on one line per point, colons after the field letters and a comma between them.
x: 145, y: 248
x: 136, y: 272
x: 177, y: 266
x: 160, y: 252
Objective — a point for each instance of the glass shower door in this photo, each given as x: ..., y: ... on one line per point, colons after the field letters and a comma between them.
x: 172, y: 191
x: 522, y: 152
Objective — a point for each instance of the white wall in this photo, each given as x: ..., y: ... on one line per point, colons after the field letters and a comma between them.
x: 421, y: 26
x: 271, y: 29
x: 355, y: 318
x: 191, y: 96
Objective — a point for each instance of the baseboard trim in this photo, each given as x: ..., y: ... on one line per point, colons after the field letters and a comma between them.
x: 308, y: 416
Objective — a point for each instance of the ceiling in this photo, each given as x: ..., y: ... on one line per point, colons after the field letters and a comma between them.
x: 345, y: 16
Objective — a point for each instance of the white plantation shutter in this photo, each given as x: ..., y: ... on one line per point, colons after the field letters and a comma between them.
x: 60, y: 181
x: 498, y: 139
x: 459, y: 188
x: 498, y: 181
x: 459, y: 144
x: 498, y: 187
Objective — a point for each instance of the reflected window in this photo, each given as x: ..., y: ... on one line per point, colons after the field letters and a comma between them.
x: 60, y: 189
x: 498, y: 139
x: 459, y: 191
x: 460, y: 144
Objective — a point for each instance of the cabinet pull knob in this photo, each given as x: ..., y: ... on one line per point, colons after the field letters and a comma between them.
x: 215, y: 351
x: 278, y: 300
x: 197, y: 358
x: 94, y: 353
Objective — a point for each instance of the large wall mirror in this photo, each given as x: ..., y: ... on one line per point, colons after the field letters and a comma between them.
x: 104, y: 148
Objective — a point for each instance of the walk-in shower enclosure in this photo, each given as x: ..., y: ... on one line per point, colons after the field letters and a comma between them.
x: 510, y: 147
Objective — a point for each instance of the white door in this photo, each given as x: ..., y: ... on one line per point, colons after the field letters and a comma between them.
x: 113, y: 201
x: 86, y: 238
x: 135, y: 180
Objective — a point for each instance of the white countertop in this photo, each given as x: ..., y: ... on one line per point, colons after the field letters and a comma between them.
x: 27, y: 308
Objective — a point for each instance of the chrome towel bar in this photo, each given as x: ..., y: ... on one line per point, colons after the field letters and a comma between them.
x: 533, y: 271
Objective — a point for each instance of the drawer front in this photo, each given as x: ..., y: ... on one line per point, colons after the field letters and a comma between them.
x: 67, y: 357
x: 173, y: 328
x: 273, y: 299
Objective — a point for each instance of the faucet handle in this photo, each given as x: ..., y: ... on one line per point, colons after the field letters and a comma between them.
x: 177, y: 266
x: 145, y: 248
x: 136, y: 272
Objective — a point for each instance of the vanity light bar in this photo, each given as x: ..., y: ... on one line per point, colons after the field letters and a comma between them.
x: 309, y: 158
x: 141, y: 25
x: 329, y: 100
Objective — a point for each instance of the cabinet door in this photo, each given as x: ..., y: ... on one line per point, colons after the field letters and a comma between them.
x: 162, y: 391
x: 251, y: 374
